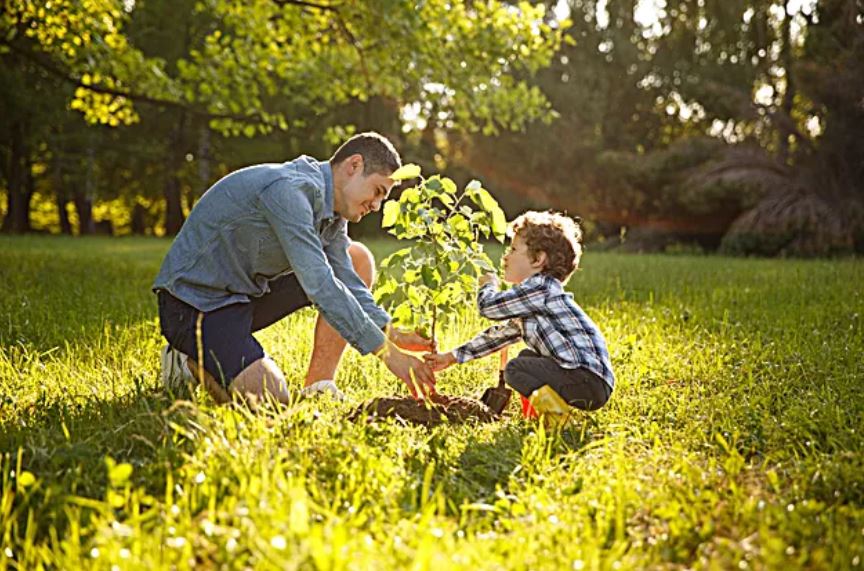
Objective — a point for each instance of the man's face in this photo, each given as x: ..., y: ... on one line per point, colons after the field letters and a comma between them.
x: 364, y: 194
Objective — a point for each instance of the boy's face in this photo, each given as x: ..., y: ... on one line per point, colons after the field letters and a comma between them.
x: 518, y: 265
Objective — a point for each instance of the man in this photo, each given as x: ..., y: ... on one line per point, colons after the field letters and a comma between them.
x: 265, y: 241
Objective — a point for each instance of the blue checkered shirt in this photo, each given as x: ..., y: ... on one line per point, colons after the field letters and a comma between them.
x: 539, y: 312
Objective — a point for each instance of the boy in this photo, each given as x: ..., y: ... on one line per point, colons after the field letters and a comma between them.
x: 566, y: 351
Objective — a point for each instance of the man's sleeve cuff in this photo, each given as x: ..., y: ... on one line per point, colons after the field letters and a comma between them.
x: 382, y: 319
x: 370, y: 339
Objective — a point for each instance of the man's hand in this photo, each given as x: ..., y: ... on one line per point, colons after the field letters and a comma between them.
x: 410, y: 340
x: 413, y: 372
x: 439, y: 361
x: 488, y: 278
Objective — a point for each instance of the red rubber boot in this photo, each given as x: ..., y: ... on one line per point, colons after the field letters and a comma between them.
x: 528, y: 410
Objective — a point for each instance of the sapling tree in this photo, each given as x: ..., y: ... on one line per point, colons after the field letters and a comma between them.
x: 426, y: 285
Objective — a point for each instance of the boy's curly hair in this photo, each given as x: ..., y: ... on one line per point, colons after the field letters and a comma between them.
x: 557, y: 235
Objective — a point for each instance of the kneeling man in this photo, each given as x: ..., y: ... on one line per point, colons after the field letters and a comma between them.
x: 265, y: 241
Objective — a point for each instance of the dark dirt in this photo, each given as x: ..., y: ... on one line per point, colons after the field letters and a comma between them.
x: 442, y: 408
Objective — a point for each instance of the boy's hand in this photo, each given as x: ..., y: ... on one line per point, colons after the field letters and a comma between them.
x: 416, y: 374
x: 489, y: 278
x: 410, y: 340
x: 439, y: 361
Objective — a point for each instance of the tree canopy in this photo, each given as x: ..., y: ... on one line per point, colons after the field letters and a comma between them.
x: 683, y: 118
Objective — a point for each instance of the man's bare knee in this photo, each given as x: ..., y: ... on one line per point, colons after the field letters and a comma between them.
x: 363, y: 262
x: 259, y: 381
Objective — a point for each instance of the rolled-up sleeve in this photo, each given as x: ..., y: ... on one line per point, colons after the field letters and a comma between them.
x: 287, y: 208
x: 343, y: 268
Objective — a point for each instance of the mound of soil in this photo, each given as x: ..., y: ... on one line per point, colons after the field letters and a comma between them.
x: 434, y: 411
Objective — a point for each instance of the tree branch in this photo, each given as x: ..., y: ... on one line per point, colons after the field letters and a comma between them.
x: 304, y: 4
x: 47, y: 65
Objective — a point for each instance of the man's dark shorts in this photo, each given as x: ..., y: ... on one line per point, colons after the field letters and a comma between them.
x: 226, y: 333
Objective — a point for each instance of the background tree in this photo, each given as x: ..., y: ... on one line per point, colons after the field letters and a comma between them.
x: 250, y: 68
x: 677, y: 121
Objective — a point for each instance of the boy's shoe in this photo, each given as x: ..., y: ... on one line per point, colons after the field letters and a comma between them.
x: 550, y: 406
x: 323, y: 387
x: 176, y: 377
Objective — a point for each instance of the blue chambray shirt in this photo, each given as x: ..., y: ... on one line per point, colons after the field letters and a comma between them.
x: 264, y: 221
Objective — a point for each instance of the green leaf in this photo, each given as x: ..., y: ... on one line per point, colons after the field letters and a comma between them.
x: 449, y: 185
x: 414, y: 296
x: 499, y: 223
x: 391, y: 213
x: 410, y: 195
x: 431, y: 277
x: 486, y: 201
x: 405, y: 172
x: 402, y: 314
x: 433, y: 183
x: 458, y: 223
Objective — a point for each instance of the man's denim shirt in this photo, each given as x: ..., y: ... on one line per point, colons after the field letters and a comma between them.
x: 264, y: 221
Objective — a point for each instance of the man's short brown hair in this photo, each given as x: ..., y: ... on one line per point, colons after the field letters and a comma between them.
x: 557, y: 235
x: 379, y: 154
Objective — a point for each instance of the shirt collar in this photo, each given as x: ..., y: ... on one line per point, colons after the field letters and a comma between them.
x: 327, y: 171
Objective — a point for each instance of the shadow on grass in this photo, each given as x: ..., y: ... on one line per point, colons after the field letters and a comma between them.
x: 491, y: 464
x: 65, y: 447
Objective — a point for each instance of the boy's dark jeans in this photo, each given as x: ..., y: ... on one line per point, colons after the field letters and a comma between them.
x: 580, y: 388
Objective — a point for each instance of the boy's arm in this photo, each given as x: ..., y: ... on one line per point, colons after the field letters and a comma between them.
x: 522, y: 300
x: 489, y: 341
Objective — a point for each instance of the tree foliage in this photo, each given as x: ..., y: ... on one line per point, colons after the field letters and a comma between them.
x: 177, y: 71
x: 252, y: 65
x: 684, y: 121
x: 425, y: 284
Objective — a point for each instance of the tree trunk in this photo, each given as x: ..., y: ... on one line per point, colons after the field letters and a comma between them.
x: 789, y: 93
x: 17, y: 219
x: 173, y: 195
x: 84, y: 199
x: 60, y: 193
x: 65, y: 223
x: 139, y: 223
x: 29, y: 191
x: 84, y: 207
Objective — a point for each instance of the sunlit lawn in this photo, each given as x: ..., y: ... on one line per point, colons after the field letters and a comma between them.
x: 733, y: 438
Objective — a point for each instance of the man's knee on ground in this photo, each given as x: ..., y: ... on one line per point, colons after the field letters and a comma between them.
x: 363, y: 262
x: 262, y: 376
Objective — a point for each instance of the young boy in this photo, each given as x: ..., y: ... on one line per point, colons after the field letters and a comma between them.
x: 566, y: 351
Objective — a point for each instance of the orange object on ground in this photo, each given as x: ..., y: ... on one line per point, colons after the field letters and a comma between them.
x: 528, y: 410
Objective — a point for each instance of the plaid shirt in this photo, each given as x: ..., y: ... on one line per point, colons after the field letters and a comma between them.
x: 542, y: 314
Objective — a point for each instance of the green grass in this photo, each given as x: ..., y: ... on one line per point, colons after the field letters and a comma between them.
x: 733, y: 438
